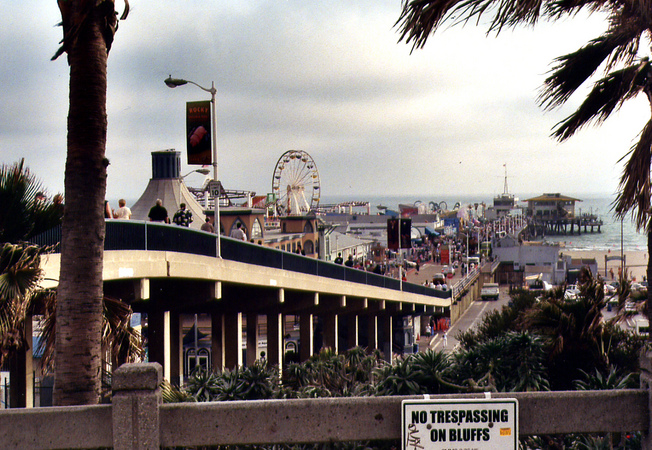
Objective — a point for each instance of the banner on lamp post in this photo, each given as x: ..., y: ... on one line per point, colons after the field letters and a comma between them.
x: 198, y: 132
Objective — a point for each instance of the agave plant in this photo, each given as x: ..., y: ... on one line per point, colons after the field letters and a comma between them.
x: 399, y: 379
x: 202, y: 385
x: 612, y: 379
x: 261, y: 381
x: 429, y: 367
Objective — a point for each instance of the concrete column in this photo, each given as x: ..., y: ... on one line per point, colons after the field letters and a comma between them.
x: 306, y: 336
x: 176, y: 349
x: 330, y: 332
x: 232, y: 340
x: 217, y: 341
x: 385, y: 326
x: 22, y: 372
x: 372, y: 332
x: 275, y: 348
x: 252, y: 338
x: 159, y: 340
x: 352, y: 330
x: 136, y: 400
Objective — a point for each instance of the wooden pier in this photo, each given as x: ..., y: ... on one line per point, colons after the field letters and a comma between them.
x: 567, y: 226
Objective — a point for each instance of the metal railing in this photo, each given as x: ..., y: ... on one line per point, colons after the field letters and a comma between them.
x: 140, y: 235
x: 461, y: 286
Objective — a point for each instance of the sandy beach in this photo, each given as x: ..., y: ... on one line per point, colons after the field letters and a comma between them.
x: 635, y: 261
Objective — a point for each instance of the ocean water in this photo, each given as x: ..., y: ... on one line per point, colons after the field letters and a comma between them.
x: 608, y: 239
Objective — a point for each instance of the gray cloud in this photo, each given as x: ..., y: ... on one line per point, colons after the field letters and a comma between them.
x: 328, y: 78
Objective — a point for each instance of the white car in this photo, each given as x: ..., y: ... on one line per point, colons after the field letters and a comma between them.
x: 571, y: 292
x: 609, y: 289
x: 448, y: 269
x: 630, y: 307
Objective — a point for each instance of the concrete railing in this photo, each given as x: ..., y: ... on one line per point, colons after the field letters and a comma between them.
x: 137, y: 419
x: 141, y: 235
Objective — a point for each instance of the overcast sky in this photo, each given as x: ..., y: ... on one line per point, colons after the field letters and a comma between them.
x: 329, y: 78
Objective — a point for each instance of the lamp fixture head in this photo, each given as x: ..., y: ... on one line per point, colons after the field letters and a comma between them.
x: 174, y: 82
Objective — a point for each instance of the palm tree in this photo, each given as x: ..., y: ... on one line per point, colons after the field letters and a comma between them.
x: 627, y: 74
x: 20, y: 273
x: 88, y: 31
x: 26, y: 211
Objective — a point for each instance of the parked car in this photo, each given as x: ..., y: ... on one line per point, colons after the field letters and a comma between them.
x: 609, y: 289
x: 448, y: 269
x: 490, y: 291
x: 630, y: 307
x: 571, y: 292
x: 439, y: 278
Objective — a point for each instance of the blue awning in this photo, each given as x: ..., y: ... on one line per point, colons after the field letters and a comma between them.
x: 431, y: 231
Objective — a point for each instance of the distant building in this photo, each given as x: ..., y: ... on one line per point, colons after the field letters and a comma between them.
x: 294, y: 231
x: 552, y: 206
x: 167, y: 185
x: 520, y: 260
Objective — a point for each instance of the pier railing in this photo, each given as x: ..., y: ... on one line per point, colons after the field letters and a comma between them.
x: 141, y: 235
x: 138, y: 419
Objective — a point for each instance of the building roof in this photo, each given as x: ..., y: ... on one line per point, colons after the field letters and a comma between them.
x: 173, y: 192
x: 552, y: 198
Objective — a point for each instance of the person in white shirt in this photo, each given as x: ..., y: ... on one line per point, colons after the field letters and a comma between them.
x: 239, y: 233
x: 122, y: 212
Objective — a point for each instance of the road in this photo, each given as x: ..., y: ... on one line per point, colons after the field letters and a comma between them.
x: 469, y: 319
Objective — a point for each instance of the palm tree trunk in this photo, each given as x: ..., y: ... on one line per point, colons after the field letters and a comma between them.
x: 80, y: 292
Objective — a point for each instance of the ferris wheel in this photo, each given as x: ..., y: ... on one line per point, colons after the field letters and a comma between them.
x: 295, y: 183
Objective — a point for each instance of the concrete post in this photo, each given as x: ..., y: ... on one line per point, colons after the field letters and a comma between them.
x: 372, y: 332
x: 275, y: 347
x: 306, y: 335
x: 646, y: 383
x: 217, y: 341
x: 159, y: 340
x: 176, y: 349
x: 252, y: 338
x: 233, y: 340
x: 22, y: 372
x: 136, y: 400
x: 352, y: 330
x: 386, y: 338
x: 331, y: 332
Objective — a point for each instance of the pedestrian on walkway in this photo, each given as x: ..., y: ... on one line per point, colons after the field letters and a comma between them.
x: 445, y: 338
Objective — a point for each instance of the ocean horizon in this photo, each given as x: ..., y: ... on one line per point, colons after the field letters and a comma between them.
x: 599, y: 204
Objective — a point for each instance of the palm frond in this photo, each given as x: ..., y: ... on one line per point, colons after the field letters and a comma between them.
x: 419, y: 19
x: 574, y: 69
x: 607, y: 96
x: 635, y: 189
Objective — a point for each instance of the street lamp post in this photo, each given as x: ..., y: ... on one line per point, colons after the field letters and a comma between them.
x: 174, y: 82
x: 200, y: 171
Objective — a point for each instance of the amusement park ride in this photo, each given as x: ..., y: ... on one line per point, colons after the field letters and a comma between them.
x: 295, y: 184
x: 295, y: 187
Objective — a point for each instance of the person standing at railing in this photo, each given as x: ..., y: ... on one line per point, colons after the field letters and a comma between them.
x: 238, y: 232
x: 158, y: 213
x: 208, y: 225
x: 339, y: 259
x: 107, y: 210
x: 182, y: 217
x: 123, y: 212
